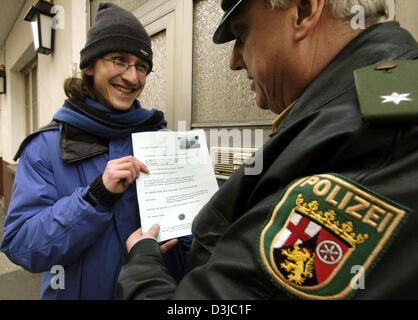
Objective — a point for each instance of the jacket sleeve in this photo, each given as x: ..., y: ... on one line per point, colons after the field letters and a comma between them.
x: 42, y: 230
x: 145, y: 276
x: 213, y: 274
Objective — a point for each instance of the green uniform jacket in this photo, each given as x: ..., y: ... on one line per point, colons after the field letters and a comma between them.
x: 325, y: 132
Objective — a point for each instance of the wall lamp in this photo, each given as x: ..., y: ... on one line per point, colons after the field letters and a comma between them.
x: 2, y: 79
x: 40, y: 18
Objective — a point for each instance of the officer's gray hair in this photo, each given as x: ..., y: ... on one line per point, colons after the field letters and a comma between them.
x: 374, y: 10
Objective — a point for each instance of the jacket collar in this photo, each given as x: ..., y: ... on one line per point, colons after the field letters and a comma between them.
x: 386, y: 41
x: 76, y: 144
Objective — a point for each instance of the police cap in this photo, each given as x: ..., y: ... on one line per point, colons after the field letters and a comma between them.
x: 223, y: 32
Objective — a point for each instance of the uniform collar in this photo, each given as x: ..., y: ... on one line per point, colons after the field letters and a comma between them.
x: 383, y: 41
x: 281, y: 116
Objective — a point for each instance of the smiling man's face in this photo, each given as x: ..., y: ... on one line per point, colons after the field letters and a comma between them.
x: 114, y: 89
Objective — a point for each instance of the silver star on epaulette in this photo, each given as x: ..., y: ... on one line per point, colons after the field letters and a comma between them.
x: 396, y: 98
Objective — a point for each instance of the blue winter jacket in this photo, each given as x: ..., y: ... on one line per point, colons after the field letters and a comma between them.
x: 50, y: 223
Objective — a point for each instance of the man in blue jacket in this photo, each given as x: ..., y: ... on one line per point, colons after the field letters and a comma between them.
x: 74, y: 200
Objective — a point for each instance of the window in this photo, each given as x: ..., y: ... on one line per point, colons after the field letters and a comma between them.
x: 31, y: 97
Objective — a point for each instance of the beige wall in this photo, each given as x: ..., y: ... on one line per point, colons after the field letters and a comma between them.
x: 52, y: 71
x: 12, y: 114
x: 406, y: 14
x: 55, y: 68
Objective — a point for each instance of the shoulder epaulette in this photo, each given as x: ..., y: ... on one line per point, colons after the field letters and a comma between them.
x: 388, y: 91
x: 53, y: 125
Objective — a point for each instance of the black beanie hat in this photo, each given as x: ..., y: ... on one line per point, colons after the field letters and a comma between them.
x: 115, y: 29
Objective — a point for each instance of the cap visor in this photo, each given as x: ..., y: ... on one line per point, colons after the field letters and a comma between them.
x: 223, y: 32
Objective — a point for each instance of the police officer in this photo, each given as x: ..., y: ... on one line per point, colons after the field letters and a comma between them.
x: 333, y: 214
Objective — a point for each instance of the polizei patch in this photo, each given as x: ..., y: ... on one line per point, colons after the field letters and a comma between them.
x: 322, y: 227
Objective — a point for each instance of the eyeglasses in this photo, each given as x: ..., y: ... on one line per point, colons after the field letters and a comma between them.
x: 122, y: 67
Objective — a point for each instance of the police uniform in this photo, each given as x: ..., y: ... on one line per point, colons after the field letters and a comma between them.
x: 333, y: 214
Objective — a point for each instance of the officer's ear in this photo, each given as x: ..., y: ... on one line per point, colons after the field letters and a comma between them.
x: 308, y: 14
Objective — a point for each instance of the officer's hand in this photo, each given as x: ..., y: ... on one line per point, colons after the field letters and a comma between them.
x: 152, y: 233
x: 120, y: 173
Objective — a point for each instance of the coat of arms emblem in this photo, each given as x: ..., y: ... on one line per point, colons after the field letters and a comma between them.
x: 322, y: 227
